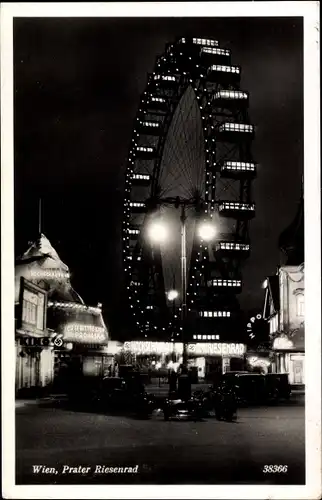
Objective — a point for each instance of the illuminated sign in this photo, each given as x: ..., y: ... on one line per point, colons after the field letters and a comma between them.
x: 146, y: 347
x: 198, y: 349
x: 282, y: 343
x: 217, y: 349
x: 49, y: 273
x: 75, y: 332
x: 262, y: 362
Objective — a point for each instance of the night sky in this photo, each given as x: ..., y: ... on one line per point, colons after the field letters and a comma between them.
x: 77, y: 88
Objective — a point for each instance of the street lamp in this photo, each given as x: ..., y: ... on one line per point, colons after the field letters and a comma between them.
x: 157, y: 233
x: 207, y: 231
x: 172, y: 295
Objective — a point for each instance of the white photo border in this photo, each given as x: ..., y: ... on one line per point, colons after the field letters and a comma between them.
x: 309, y: 10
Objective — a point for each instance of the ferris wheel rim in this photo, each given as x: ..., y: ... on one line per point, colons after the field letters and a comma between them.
x: 171, y: 112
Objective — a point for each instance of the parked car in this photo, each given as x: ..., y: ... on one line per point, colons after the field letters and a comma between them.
x: 128, y: 395
x: 249, y: 387
x: 192, y: 409
x: 257, y: 388
x: 277, y: 386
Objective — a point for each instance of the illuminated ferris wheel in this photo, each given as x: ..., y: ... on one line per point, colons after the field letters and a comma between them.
x: 191, y: 148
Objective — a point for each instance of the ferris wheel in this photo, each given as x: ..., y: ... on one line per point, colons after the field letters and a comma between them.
x: 191, y: 148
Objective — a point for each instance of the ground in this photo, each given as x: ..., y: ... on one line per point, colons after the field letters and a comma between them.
x: 181, y: 452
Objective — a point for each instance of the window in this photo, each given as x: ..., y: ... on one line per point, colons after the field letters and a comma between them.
x: 230, y: 205
x: 236, y: 127
x: 211, y: 50
x: 230, y: 94
x: 225, y: 69
x: 204, y: 41
x: 300, y: 305
x: 33, y: 304
x: 29, y: 312
x: 239, y: 165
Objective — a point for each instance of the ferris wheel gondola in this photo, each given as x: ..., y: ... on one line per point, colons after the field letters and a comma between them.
x: 191, y: 141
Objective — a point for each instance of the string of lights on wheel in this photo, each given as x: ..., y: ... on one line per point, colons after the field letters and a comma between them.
x: 191, y: 72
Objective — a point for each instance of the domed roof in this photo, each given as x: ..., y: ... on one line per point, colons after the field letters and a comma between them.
x: 291, y: 240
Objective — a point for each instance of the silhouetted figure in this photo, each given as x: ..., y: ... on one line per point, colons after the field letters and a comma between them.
x: 184, y: 385
x: 225, y: 402
x: 172, y: 381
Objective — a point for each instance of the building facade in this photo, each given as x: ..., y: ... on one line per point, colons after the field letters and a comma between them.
x: 284, y: 305
x: 56, y: 333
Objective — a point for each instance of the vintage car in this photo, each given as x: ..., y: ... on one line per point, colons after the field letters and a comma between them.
x: 254, y: 388
x: 277, y: 386
x: 192, y: 409
x: 126, y: 395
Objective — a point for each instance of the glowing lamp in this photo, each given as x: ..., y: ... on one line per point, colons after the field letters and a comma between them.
x: 282, y: 343
x: 207, y: 231
x: 157, y: 232
x: 172, y: 295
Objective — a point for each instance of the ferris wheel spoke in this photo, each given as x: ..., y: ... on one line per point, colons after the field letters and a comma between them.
x: 199, y: 155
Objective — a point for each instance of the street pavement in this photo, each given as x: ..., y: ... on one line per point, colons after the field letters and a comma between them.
x: 175, y: 452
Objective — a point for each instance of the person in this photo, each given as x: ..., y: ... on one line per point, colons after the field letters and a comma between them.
x: 172, y: 382
x: 184, y: 385
x: 225, y: 402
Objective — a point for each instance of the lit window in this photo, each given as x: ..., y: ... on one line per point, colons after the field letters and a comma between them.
x: 230, y: 205
x: 204, y: 41
x: 211, y: 50
x: 157, y: 99
x: 144, y: 177
x: 165, y: 78
x: 230, y: 94
x: 225, y: 69
x: 236, y: 127
x: 239, y: 166
x: 29, y: 312
x: 151, y: 124
x: 137, y: 204
x: 145, y: 149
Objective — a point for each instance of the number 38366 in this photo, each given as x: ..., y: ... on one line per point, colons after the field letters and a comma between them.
x: 271, y: 469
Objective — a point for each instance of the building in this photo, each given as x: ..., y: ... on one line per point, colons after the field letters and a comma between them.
x: 205, y: 359
x: 56, y: 332
x: 284, y: 303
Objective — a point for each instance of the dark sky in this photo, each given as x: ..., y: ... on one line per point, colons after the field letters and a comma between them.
x: 77, y: 88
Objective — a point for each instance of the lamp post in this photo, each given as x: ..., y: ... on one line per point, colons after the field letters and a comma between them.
x: 157, y: 233
x: 183, y: 219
